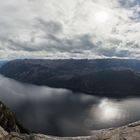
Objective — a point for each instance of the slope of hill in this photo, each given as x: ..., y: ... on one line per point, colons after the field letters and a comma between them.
x: 2, y: 62
x: 104, y: 77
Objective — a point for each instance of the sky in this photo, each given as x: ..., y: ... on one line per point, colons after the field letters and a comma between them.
x: 59, y: 29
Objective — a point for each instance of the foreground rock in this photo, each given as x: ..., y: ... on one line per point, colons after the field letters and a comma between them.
x: 129, y: 132
x: 8, y: 120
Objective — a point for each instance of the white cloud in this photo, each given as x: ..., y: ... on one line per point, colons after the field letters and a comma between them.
x: 63, y: 29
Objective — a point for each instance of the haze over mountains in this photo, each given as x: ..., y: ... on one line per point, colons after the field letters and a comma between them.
x: 3, y: 62
x: 101, y: 77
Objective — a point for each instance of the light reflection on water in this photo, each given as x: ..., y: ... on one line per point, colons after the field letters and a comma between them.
x: 109, y: 111
x: 64, y: 113
x: 106, y: 113
x: 113, y: 113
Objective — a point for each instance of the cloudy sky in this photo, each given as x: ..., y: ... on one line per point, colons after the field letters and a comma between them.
x: 69, y: 28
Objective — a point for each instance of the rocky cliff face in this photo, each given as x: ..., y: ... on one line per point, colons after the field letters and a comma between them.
x: 8, y: 120
x: 129, y: 132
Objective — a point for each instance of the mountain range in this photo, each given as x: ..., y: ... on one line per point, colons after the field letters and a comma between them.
x: 101, y: 77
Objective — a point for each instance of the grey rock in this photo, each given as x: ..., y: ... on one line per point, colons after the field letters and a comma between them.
x: 129, y: 132
x: 8, y: 120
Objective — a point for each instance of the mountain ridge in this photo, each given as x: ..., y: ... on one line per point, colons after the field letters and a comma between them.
x: 102, y: 77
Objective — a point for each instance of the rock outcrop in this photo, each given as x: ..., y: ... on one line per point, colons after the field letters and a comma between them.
x: 129, y: 132
x: 8, y: 120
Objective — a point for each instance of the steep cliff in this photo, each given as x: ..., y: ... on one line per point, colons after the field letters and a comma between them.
x: 8, y: 120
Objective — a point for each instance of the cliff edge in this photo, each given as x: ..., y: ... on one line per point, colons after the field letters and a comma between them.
x: 129, y: 132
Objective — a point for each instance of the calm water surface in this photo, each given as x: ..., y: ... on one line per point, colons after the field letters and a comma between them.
x: 64, y: 113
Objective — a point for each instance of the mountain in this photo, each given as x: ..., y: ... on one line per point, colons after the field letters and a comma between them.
x: 102, y: 77
x: 2, y: 62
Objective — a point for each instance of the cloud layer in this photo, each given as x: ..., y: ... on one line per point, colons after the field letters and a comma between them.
x: 69, y: 29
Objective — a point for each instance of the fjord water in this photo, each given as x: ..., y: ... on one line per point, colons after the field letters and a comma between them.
x: 65, y: 113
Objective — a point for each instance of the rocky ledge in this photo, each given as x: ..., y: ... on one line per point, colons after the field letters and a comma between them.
x: 129, y: 132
